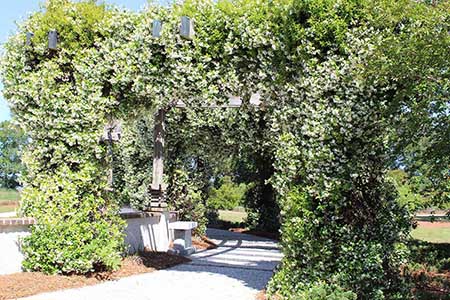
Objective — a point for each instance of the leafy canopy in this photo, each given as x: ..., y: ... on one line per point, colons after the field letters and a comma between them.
x: 341, y: 82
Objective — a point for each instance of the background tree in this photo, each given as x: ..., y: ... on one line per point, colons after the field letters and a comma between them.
x: 228, y: 195
x: 413, y: 58
x: 410, y: 192
x: 12, y: 142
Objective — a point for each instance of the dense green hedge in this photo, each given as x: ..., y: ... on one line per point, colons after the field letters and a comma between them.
x: 63, y: 113
x: 332, y: 75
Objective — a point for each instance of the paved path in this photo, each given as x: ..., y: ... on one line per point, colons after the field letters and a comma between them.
x: 240, y: 267
x: 8, y: 214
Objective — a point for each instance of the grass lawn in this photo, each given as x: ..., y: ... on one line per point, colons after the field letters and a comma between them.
x: 9, y: 200
x: 9, y: 195
x: 7, y: 208
x: 232, y: 216
x: 437, y: 232
x: 433, y: 234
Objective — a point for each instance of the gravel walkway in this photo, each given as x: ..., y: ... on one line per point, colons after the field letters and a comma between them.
x: 239, y: 268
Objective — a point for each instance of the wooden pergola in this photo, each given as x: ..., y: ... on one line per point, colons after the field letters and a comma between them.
x: 157, y: 189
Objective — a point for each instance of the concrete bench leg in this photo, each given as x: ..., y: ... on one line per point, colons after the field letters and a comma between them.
x: 182, y: 244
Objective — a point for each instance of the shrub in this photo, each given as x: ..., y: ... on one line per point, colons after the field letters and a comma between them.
x: 78, y: 231
x: 323, y: 291
x: 228, y: 196
x: 320, y: 244
x: 63, y: 110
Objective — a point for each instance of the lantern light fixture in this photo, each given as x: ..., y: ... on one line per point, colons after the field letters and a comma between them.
x: 255, y: 99
x: 52, y: 39
x: 234, y: 101
x: 29, y: 37
x: 112, y: 131
x: 187, y: 28
x: 156, y: 28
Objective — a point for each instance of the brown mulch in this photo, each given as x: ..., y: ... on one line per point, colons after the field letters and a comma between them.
x: 431, y: 283
x: 261, y: 295
x: 203, y: 243
x: 200, y: 243
x: 264, y: 234
x: 26, y: 284
x: 9, y: 203
x: 433, y: 224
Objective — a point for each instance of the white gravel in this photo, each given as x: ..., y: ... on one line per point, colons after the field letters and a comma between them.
x: 237, y: 270
x: 8, y: 214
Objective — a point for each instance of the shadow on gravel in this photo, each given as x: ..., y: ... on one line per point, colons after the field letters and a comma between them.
x: 247, y: 258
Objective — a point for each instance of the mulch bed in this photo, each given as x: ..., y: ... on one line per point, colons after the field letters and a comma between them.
x: 26, y: 284
x: 263, y: 296
x: 203, y: 243
x: 433, y: 283
x: 264, y: 234
x: 9, y: 203
x: 425, y: 224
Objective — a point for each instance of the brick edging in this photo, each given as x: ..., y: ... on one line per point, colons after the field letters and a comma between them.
x: 138, y: 215
x: 144, y: 214
x: 17, y: 221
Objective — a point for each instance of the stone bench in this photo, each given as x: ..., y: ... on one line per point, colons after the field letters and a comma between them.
x: 182, y: 233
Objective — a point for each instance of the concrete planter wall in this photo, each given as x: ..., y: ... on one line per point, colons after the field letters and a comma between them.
x: 11, y: 231
x: 144, y: 231
x: 148, y: 230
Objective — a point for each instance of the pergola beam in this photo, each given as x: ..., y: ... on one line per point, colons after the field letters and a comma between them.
x: 233, y: 102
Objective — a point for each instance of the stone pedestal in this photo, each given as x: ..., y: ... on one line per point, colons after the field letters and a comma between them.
x: 182, y: 232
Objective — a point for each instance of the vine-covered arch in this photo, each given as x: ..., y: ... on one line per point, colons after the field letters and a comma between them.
x: 326, y: 105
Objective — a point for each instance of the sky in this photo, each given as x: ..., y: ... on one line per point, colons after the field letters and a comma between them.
x: 15, y: 10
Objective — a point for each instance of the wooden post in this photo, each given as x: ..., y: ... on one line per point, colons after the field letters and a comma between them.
x: 158, y: 152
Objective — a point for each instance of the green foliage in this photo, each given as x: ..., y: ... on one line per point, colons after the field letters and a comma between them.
x: 78, y: 231
x: 256, y: 168
x: 323, y: 291
x: 428, y: 161
x: 414, y: 59
x: 429, y: 263
x: 12, y: 142
x: 187, y: 201
x: 347, y: 252
x: 340, y: 86
x: 228, y: 196
x: 133, y: 162
x: 77, y: 24
x: 59, y: 104
x: 408, y: 191
x: 433, y: 257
